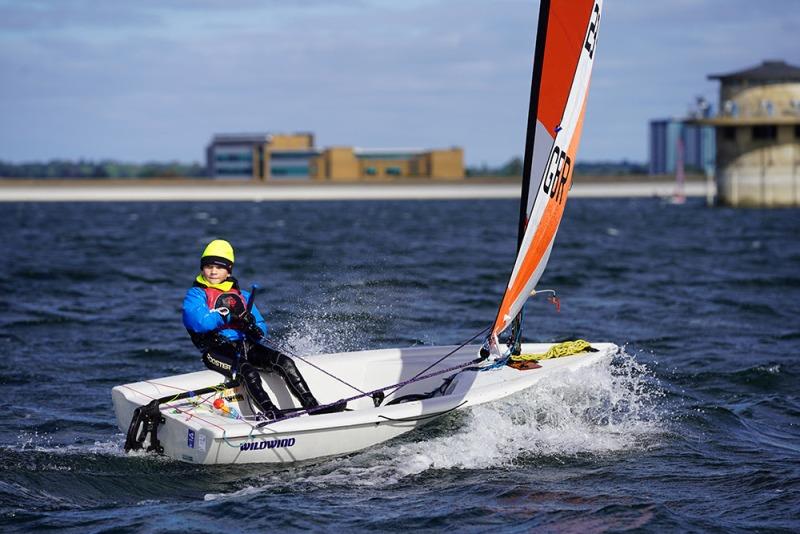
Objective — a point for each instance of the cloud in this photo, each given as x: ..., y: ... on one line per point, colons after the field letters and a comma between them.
x: 155, y: 79
x: 49, y: 16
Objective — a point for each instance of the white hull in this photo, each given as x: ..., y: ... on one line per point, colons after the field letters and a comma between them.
x: 197, y: 433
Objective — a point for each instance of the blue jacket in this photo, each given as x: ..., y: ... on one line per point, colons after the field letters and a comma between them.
x: 199, y: 319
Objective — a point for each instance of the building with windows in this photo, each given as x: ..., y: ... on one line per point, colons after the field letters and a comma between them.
x: 758, y: 136
x: 268, y: 157
x: 346, y: 163
x: 666, y: 135
x: 260, y: 156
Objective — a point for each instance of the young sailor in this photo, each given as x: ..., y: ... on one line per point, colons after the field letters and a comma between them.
x: 231, y: 338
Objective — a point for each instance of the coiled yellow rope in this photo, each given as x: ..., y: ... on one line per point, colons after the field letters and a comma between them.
x: 567, y: 348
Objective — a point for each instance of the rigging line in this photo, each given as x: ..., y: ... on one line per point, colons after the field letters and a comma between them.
x: 398, y: 385
x: 250, y: 305
x: 174, y: 407
x: 318, y: 368
x: 423, y: 417
x: 310, y: 411
x: 464, y: 344
x: 203, y: 400
x: 217, y: 389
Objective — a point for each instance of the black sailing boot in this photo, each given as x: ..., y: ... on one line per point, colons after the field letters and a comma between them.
x: 299, y: 388
x: 309, y: 402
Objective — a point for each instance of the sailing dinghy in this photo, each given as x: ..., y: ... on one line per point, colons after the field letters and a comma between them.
x: 194, y: 418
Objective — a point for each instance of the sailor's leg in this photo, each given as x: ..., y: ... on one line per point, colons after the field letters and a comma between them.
x: 221, y: 361
x: 252, y: 383
x: 273, y: 360
x: 225, y: 359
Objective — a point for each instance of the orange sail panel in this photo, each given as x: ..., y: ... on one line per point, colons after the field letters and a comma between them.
x: 566, y: 41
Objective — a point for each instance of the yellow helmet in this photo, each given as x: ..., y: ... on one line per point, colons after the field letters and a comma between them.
x: 218, y: 252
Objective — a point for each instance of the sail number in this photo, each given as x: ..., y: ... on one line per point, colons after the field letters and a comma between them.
x: 591, y: 35
x: 559, y: 172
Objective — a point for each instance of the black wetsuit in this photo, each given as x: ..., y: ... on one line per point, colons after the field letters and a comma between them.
x: 245, y: 358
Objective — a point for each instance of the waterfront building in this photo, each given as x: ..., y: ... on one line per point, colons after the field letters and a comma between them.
x: 346, y: 163
x: 758, y: 136
x: 266, y: 157
x: 698, y: 141
x: 260, y: 156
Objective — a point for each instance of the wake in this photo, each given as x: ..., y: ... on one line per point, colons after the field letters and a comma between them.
x: 594, y: 411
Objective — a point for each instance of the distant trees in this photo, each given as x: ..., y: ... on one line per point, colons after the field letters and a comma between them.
x: 55, y: 169
x: 513, y: 167
x: 85, y: 169
x: 611, y: 168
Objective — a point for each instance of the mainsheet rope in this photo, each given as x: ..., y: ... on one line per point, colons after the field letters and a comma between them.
x: 288, y: 352
x: 364, y: 393
x: 418, y: 377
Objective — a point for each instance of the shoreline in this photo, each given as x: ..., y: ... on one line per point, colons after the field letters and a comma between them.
x: 205, y: 190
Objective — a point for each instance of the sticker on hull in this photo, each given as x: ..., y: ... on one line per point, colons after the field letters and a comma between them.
x: 270, y: 444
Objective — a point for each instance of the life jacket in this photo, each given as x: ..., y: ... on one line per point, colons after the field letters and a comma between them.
x: 227, y: 296
x: 232, y: 299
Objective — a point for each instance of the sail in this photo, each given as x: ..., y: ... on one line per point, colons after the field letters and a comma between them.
x: 679, y: 196
x: 565, y: 45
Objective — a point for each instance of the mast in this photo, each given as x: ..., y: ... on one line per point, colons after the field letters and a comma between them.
x: 533, y: 109
x: 565, y: 45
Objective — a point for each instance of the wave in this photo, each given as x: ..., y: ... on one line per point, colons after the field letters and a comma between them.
x: 604, y: 409
x: 28, y: 442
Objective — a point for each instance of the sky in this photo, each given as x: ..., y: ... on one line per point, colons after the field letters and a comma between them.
x: 153, y: 80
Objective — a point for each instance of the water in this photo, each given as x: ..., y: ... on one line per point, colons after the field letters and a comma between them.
x: 693, y: 427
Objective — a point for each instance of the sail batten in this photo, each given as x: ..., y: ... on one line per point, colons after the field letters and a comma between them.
x: 565, y: 44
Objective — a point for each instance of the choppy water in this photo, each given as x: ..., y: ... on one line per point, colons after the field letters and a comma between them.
x: 693, y: 427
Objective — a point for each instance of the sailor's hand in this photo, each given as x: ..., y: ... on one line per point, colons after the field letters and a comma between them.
x: 241, y: 321
x: 251, y: 328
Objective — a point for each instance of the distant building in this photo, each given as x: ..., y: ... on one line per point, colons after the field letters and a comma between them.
x: 260, y: 156
x: 293, y: 156
x: 758, y: 136
x: 698, y: 144
x: 343, y: 163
